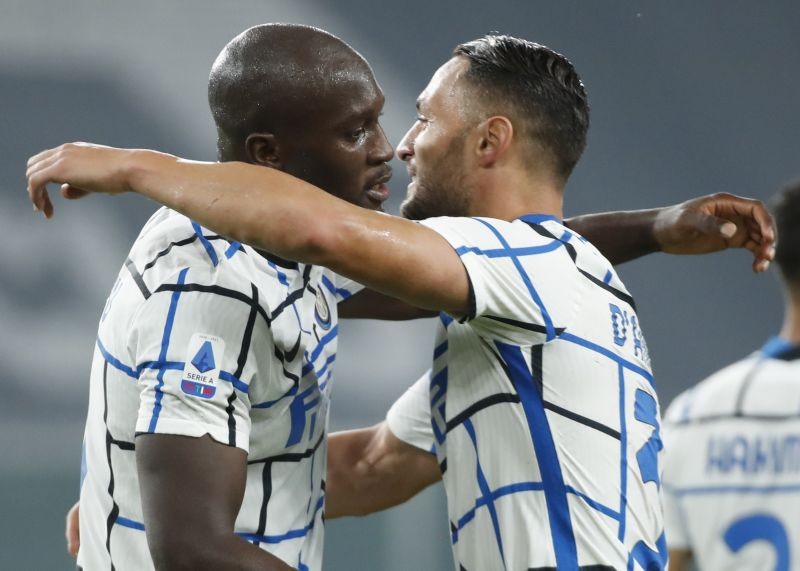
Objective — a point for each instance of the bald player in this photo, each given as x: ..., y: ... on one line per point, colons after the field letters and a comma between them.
x: 385, y: 253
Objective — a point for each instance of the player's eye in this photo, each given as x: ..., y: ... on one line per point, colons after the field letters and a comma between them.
x: 358, y: 134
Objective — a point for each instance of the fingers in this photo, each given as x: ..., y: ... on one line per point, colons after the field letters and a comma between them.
x: 73, y: 193
x: 40, y: 170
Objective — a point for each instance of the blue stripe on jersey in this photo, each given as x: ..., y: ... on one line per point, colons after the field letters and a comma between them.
x: 116, y: 363
x: 84, y: 466
x: 440, y: 349
x: 158, y: 365
x: 555, y: 492
x: 775, y: 346
x: 486, y: 491
x: 623, y: 454
x: 281, y: 276
x: 308, y: 367
x: 291, y: 534
x: 340, y: 292
x: 566, y: 336
x: 212, y: 254
x: 330, y: 336
x: 232, y: 249
x: 125, y: 522
x: 607, y: 277
x: 548, y: 322
x: 594, y: 504
x: 496, y: 494
x: 650, y: 560
x: 509, y: 252
x: 238, y: 384
x: 173, y: 306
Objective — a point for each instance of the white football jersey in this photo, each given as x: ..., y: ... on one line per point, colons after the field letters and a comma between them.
x: 732, y: 464
x: 204, y: 336
x: 541, y: 407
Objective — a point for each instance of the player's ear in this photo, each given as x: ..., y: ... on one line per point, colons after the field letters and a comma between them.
x: 263, y: 149
x: 495, y: 136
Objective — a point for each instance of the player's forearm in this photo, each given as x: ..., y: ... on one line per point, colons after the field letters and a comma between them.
x: 263, y: 207
x: 620, y: 236
x: 370, y: 470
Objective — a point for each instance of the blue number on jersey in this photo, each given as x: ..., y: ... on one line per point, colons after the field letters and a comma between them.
x: 760, y: 527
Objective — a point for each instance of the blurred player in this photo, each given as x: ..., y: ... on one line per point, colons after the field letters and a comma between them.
x: 732, y: 466
x: 542, y: 403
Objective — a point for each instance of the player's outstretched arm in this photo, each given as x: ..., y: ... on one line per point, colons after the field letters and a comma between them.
x: 698, y: 226
x: 370, y: 470
x: 271, y: 210
x: 191, y: 490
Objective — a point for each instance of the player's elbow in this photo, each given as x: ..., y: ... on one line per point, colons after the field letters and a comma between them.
x: 179, y: 551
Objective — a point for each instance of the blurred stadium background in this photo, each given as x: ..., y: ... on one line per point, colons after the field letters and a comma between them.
x: 687, y: 98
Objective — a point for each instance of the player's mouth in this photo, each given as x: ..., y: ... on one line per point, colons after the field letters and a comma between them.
x: 379, y: 192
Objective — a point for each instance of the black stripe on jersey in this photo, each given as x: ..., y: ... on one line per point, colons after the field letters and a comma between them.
x: 621, y: 295
x: 536, y: 368
x: 291, y: 456
x: 137, y: 277
x: 745, y: 387
x: 112, y: 515
x: 581, y: 419
x: 524, y: 325
x: 492, y: 400
x: 790, y: 354
x: 536, y: 364
x: 217, y: 290
x: 443, y: 466
x: 123, y: 445
x: 266, y: 487
x: 285, y: 264
x: 241, y: 362
x: 290, y: 299
x: 179, y: 243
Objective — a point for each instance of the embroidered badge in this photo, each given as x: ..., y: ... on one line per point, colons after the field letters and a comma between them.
x: 321, y: 311
x: 201, y: 373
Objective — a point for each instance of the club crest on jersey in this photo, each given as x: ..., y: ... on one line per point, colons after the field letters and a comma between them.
x: 321, y: 311
x: 201, y: 373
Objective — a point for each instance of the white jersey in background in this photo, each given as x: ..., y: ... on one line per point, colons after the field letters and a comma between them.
x: 541, y: 407
x: 732, y: 465
x: 203, y: 336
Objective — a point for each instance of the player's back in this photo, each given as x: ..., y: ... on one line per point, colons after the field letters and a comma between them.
x: 203, y: 336
x: 543, y: 406
x: 732, y: 468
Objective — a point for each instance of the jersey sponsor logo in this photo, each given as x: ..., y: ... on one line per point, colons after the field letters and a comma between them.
x: 321, y: 311
x: 201, y: 373
x: 753, y: 454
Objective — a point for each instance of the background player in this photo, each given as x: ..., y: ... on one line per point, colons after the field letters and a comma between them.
x: 487, y: 152
x: 732, y: 464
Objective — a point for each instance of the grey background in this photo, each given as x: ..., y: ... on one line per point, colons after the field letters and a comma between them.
x: 687, y: 98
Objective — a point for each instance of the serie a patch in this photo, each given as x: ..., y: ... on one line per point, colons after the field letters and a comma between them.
x: 201, y: 372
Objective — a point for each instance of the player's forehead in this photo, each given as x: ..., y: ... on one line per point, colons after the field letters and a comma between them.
x: 356, y: 96
x: 441, y: 90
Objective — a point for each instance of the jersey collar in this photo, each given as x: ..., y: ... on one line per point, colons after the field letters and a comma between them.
x: 539, y: 218
x: 778, y: 348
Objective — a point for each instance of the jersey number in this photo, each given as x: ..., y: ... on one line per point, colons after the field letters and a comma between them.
x: 760, y: 527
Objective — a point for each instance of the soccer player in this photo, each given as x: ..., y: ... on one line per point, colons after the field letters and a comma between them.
x: 732, y: 466
x: 518, y: 428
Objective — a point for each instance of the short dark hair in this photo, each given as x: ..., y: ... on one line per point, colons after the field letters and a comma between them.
x: 786, y: 209
x: 540, y: 87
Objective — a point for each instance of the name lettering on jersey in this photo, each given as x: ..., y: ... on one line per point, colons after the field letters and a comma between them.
x: 624, y: 328
x: 322, y: 312
x: 201, y: 373
x: 749, y: 454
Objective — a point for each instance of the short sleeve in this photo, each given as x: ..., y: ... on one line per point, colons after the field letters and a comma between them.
x: 341, y: 287
x: 409, y: 418
x: 524, y: 285
x: 196, y: 343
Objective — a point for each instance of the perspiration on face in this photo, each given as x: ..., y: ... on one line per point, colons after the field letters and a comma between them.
x: 314, y: 95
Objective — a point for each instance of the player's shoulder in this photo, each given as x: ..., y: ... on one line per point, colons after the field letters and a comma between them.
x: 715, y: 395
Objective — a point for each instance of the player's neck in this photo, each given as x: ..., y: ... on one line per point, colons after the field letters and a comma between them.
x: 507, y: 194
x: 791, y: 320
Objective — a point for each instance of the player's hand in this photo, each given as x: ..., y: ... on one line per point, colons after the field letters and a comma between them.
x: 80, y: 168
x: 716, y: 222
x: 73, y: 530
